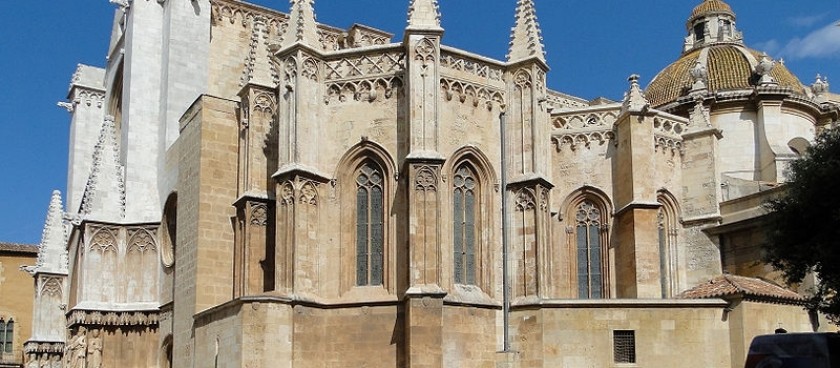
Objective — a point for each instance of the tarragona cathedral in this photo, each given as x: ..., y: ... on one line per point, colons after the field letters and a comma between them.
x: 251, y: 188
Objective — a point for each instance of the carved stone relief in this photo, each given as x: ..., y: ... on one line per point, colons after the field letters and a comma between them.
x: 478, y: 69
x: 364, y: 66
x: 51, y: 286
x: 286, y: 194
x: 308, y: 193
x: 104, y: 239
x: 362, y: 90
x: 141, y: 240
x: 426, y: 179
x: 425, y: 51
x: 524, y: 200
x: 259, y: 214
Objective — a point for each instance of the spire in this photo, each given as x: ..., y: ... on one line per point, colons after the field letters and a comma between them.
x: 104, y: 196
x: 302, y: 26
x: 526, y: 38
x: 424, y: 14
x: 51, y: 252
x: 634, y: 99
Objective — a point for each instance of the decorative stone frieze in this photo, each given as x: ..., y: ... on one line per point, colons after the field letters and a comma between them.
x: 112, y: 318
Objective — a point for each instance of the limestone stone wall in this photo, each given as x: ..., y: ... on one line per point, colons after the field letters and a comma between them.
x: 738, y: 143
x: 206, y: 190
x: 582, y: 336
x: 218, y: 339
x: 129, y: 346
x: 370, y: 336
x: 469, y: 337
x: 750, y: 319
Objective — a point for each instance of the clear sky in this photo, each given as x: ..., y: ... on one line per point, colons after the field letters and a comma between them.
x: 592, y: 47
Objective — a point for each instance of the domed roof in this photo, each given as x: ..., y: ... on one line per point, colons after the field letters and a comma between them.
x: 728, y: 67
x: 711, y: 6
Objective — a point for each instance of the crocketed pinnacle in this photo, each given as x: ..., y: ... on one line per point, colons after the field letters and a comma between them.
x: 51, y: 250
x: 302, y: 26
x: 104, y: 196
x: 634, y: 99
x: 525, y: 37
x: 424, y: 15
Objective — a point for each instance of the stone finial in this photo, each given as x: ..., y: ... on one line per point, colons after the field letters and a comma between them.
x: 302, y: 26
x: 763, y: 69
x: 104, y: 195
x: 820, y: 86
x: 526, y: 38
x: 424, y: 15
x: 634, y: 99
x: 699, y: 76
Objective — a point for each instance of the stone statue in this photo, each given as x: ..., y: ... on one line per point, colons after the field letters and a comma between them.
x: 75, y: 354
x: 94, y: 352
x: 699, y: 76
x: 763, y: 69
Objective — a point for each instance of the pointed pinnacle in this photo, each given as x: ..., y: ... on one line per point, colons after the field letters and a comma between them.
x: 302, y: 26
x: 634, y: 99
x: 53, y: 234
x: 105, y: 189
x: 53, y: 239
x: 525, y: 37
x: 424, y: 14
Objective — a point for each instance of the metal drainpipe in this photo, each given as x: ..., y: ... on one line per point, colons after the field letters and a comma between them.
x: 505, y: 272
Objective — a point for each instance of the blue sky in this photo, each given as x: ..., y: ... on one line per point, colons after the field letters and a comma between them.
x: 592, y: 47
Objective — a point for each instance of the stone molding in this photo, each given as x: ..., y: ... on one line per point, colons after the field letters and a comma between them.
x: 55, y: 347
x: 113, y: 318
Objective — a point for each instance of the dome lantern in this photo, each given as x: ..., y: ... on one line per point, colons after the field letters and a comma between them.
x: 711, y: 22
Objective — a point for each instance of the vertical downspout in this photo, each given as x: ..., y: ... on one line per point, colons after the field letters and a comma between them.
x: 505, y: 272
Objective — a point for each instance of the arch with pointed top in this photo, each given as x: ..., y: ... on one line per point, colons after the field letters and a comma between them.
x: 668, y: 223
x: 472, y: 161
x: 366, y: 155
x: 588, y: 213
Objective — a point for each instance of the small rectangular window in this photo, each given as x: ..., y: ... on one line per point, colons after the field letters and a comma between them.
x: 624, y: 346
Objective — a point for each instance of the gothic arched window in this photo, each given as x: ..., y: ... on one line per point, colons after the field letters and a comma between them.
x: 465, y: 208
x: 667, y: 234
x: 370, y: 234
x: 590, y: 258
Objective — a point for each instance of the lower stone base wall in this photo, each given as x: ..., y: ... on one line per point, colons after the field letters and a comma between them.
x: 348, y: 337
x: 469, y: 337
x: 582, y: 337
x: 95, y: 346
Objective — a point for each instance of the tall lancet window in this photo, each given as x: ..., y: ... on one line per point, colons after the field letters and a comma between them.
x: 589, y: 257
x: 370, y: 234
x: 464, y: 225
x: 667, y: 234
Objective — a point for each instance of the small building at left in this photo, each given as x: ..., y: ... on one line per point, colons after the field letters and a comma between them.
x: 16, y: 298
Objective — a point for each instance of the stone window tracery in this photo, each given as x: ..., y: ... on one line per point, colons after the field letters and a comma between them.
x: 464, y: 225
x: 589, y: 251
x: 370, y: 234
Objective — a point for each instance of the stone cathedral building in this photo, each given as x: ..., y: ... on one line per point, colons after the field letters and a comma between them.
x: 251, y: 188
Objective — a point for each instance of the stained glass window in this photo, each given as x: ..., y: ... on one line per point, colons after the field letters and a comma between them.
x: 464, y: 225
x: 370, y: 234
x: 588, y: 240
